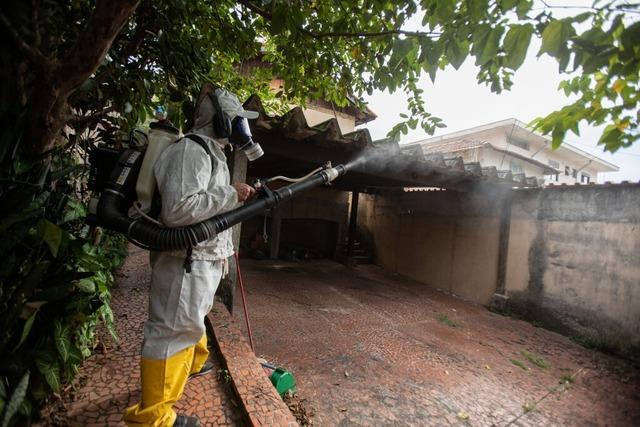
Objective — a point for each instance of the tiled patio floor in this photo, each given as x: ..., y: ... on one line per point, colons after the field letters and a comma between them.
x: 111, y: 380
x: 368, y: 348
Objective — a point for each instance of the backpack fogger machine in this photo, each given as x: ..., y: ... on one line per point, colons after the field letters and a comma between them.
x: 126, y: 198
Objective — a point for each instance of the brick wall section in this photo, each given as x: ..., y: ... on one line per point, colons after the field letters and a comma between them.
x: 259, y: 399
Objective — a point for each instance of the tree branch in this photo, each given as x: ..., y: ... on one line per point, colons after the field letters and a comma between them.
x: 369, y: 34
x: 48, y: 113
x: 608, y: 8
x: 35, y: 21
x: 104, y: 24
x: 252, y: 7
x: 350, y: 34
x: 32, y: 53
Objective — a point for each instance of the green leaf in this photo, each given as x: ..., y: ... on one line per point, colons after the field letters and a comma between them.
x: 611, y: 137
x: 61, y: 339
x: 445, y: 9
x: 61, y: 173
x: 516, y: 44
x: 51, y: 234
x: 508, y: 4
x: 26, y: 329
x: 74, y: 210
x: 401, y: 49
x: 457, y: 51
x: 477, y: 8
x: 12, y: 406
x: 630, y: 36
x: 524, y: 6
x: 278, y: 20
x: 555, y: 37
x: 486, y: 43
x: 50, y: 370
x: 86, y: 285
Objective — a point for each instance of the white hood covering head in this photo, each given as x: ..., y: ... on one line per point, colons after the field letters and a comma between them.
x: 231, y: 106
x: 205, y: 110
x: 219, y: 115
x: 203, y: 115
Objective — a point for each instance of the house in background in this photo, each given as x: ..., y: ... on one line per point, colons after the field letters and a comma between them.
x: 510, y: 145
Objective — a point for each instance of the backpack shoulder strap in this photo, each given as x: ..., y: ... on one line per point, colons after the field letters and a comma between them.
x: 201, y: 142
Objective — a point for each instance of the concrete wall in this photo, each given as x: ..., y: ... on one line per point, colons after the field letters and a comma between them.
x: 571, y: 258
x: 574, y: 262
x: 446, y: 240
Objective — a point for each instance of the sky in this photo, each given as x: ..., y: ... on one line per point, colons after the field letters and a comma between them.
x: 458, y: 99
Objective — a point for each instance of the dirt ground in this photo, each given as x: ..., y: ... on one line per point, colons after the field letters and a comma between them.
x: 370, y: 348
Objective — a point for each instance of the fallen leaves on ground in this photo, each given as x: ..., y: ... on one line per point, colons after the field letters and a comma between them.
x: 299, y: 410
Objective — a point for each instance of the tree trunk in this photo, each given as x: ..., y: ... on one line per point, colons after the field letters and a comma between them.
x: 63, y: 76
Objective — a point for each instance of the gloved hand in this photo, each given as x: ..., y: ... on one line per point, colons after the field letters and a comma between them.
x: 244, y: 191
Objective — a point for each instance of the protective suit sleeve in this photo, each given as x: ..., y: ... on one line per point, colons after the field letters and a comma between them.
x: 183, y: 177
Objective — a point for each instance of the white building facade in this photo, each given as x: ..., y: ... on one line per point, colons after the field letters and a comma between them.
x: 510, y: 145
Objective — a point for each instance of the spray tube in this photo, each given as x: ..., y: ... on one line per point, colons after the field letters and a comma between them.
x: 115, y: 202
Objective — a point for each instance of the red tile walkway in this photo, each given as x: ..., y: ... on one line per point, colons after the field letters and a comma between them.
x: 368, y: 348
x: 111, y: 380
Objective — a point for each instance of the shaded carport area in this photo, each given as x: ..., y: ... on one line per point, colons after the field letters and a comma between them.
x: 371, y: 348
x: 293, y: 148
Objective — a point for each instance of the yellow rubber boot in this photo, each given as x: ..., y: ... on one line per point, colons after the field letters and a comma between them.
x: 163, y: 382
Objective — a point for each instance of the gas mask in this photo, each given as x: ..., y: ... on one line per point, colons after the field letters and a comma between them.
x: 230, y: 121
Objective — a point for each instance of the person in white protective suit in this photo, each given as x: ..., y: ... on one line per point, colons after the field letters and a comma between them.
x: 194, y: 186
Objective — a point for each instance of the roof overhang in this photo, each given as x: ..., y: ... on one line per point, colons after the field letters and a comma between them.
x: 292, y: 148
x: 546, y: 169
x: 516, y: 128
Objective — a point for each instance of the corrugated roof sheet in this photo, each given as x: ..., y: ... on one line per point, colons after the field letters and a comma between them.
x: 292, y: 147
x: 453, y: 146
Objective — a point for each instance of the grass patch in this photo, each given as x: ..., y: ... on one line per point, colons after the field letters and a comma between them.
x: 224, y: 376
x: 443, y: 318
x: 519, y: 364
x: 536, y: 359
x: 567, y: 379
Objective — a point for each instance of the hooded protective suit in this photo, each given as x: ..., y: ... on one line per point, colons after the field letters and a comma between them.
x: 194, y: 186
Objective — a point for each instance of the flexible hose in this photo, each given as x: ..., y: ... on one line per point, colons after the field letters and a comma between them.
x: 287, y: 179
x: 113, y: 209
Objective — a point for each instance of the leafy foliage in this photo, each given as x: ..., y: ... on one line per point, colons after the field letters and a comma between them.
x: 78, y: 87
x: 606, y: 59
x: 13, y: 404
x: 332, y: 50
x: 48, y: 320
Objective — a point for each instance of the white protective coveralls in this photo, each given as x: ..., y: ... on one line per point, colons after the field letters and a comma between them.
x: 193, y: 188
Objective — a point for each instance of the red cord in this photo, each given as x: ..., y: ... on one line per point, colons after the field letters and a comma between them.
x: 244, y: 301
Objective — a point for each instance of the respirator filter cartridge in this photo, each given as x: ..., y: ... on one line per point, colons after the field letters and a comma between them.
x: 242, y: 133
x: 253, y: 151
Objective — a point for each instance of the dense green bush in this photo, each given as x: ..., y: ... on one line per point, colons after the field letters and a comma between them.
x: 54, y: 281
